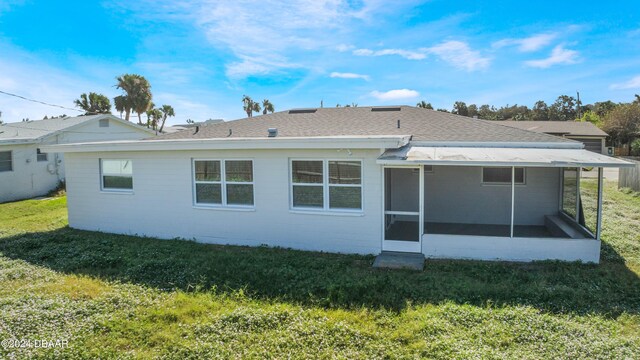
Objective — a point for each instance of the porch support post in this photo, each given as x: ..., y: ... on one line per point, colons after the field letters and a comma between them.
x: 600, y: 186
x: 513, y: 196
x: 578, y: 177
x: 421, y: 205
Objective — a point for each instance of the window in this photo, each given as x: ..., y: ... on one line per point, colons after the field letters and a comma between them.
x: 502, y: 176
x: 326, y: 185
x: 103, y: 123
x: 223, y: 182
x: 41, y: 156
x: 117, y: 175
x: 6, y: 163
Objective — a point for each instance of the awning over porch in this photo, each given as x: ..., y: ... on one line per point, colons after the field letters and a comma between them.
x: 494, y: 156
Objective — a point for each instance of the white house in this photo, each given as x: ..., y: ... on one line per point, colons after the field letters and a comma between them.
x: 351, y: 180
x: 26, y: 171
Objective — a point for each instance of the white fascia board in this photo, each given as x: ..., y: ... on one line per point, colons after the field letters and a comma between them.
x: 515, y: 145
x: 333, y: 142
x: 499, y: 164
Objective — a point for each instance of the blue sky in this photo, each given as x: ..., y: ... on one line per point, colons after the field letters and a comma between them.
x: 202, y: 56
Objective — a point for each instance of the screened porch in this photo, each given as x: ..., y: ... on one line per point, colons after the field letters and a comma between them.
x: 493, y: 203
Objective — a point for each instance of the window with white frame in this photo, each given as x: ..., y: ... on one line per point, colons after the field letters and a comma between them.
x: 326, y: 184
x: 6, y: 161
x: 41, y: 156
x: 223, y: 182
x: 116, y: 174
x: 502, y: 176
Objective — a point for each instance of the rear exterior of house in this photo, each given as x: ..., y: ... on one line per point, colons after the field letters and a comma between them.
x: 359, y: 180
x: 26, y: 171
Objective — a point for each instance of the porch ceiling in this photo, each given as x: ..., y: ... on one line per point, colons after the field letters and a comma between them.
x: 486, y: 156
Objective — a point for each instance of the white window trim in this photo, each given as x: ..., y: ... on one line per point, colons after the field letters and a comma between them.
x: 223, y: 186
x: 115, y: 190
x: 10, y: 161
x: 488, y: 183
x: 325, y: 209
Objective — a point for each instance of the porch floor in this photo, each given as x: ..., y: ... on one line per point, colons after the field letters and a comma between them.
x: 408, y: 231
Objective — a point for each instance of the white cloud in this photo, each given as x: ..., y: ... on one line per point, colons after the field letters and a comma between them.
x: 394, y: 95
x: 264, y: 36
x: 633, y: 83
x: 349, y: 76
x: 344, y: 47
x: 457, y: 53
x: 407, y: 54
x: 559, y: 56
x: 460, y: 55
x: 528, y: 44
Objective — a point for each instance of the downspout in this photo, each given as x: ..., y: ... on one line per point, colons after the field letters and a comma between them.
x: 599, y: 217
x: 513, y: 196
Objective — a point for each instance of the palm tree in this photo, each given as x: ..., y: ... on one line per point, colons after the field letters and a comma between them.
x: 425, y: 105
x: 249, y: 105
x: 267, y: 106
x: 120, y: 103
x: 93, y: 103
x: 141, y: 104
x: 153, y: 115
x: 166, y: 111
x: 137, y: 95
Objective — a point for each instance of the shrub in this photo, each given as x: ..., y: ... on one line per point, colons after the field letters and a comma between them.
x: 635, y: 147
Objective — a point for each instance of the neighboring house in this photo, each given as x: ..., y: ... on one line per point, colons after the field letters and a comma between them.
x: 351, y: 180
x: 587, y: 133
x: 26, y: 171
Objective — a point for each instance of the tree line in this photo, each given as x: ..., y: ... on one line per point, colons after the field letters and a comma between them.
x: 620, y: 120
x: 136, y: 98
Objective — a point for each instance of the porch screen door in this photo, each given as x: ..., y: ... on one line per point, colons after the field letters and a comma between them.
x: 403, y: 201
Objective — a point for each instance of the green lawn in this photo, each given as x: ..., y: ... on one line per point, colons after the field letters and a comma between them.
x: 116, y: 296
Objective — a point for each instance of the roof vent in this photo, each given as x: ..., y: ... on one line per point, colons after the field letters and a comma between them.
x: 273, y: 132
x: 386, y: 109
x: 303, y: 111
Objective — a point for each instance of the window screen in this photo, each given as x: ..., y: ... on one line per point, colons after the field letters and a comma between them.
x: 502, y: 175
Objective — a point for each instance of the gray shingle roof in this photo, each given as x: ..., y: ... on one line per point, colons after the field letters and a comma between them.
x: 422, y: 124
x: 36, y: 129
x: 31, y: 130
x: 575, y: 128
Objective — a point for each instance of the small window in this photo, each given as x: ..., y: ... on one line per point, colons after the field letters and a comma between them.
x: 117, y: 174
x: 223, y: 182
x: 6, y: 163
x: 41, y: 156
x: 501, y: 176
x: 326, y: 185
x: 103, y: 123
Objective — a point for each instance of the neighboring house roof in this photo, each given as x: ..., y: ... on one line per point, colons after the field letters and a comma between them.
x: 567, y: 128
x: 422, y: 124
x: 34, y: 130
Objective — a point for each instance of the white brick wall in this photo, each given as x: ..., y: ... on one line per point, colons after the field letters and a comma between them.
x: 161, y: 204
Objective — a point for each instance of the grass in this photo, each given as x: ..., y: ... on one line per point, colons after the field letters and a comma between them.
x: 115, y: 296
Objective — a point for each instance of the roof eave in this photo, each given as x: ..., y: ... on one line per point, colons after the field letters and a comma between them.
x: 504, y: 144
x: 350, y: 142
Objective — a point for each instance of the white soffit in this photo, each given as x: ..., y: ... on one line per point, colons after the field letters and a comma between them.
x: 483, y: 156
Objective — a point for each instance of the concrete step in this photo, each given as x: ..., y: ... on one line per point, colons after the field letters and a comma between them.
x: 399, y: 260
